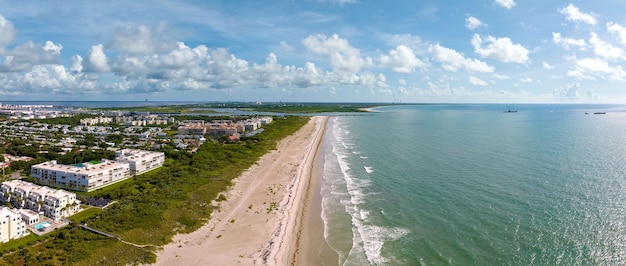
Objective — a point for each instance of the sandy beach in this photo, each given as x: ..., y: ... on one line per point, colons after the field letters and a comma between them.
x: 266, y: 215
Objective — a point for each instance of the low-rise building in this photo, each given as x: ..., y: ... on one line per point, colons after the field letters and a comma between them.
x: 93, y: 175
x: 53, y: 203
x: 140, y: 161
x: 11, y: 225
x: 86, y: 176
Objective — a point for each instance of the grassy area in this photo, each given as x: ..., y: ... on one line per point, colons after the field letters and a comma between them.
x: 155, y: 206
x: 87, y: 213
x: 19, y: 243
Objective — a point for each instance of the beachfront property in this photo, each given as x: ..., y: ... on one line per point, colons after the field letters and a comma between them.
x: 89, y: 176
x: 140, y: 161
x: 53, y: 203
x: 86, y: 176
x: 218, y: 128
x: 11, y: 225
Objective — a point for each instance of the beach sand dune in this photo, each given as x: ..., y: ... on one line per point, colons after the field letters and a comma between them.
x: 261, y: 221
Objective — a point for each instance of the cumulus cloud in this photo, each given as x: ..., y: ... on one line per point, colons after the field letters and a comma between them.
x: 547, y: 66
x: 414, y: 42
x: 508, y: 4
x: 25, y: 56
x: 52, y: 47
x: 502, y: 49
x: 201, y: 68
x: 605, y: 50
x: 140, y: 39
x: 526, y: 80
x: 7, y: 33
x: 452, y: 60
x: 618, y: 30
x: 568, y: 42
x: 344, y: 58
x: 402, y: 59
x: 593, y: 68
x: 572, y: 13
x: 472, y: 23
x: 476, y: 81
x: 567, y: 92
x: 76, y: 63
x: 97, y: 61
x: 46, y: 78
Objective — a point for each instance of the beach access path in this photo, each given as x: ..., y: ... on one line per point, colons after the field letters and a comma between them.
x: 258, y: 223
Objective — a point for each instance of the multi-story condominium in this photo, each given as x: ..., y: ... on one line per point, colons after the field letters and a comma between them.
x: 140, y: 161
x: 87, y: 176
x: 93, y: 175
x: 11, y: 225
x: 60, y: 204
x: 53, y: 203
x: 28, y: 216
x: 95, y: 121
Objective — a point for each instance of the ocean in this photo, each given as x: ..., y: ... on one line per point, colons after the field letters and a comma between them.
x: 473, y: 185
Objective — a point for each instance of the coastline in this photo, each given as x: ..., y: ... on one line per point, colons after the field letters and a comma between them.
x: 262, y: 220
x: 310, y: 243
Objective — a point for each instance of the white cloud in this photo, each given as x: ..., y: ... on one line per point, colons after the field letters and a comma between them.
x: 77, y: 63
x: 97, y: 61
x: 605, y: 50
x: 618, y: 30
x: 140, y: 39
x: 344, y: 58
x: 508, y: 4
x: 567, y: 42
x: 502, y: 49
x: 574, y: 14
x: 477, y: 82
x: 501, y: 77
x: 402, y: 59
x: 411, y: 41
x: 452, y: 60
x: 567, y: 92
x: 52, y: 47
x: 49, y: 78
x: 593, y: 65
x: 286, y: 46
x: 25, y: 56
x: 472, y: 23
x: 593, y: 68
x: 7, y: 33
x: 547, y: 66
x: 526, y: 80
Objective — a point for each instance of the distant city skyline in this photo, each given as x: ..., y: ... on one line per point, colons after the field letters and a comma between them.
x: 492, y: 51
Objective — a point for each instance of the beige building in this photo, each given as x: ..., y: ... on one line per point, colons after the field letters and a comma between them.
x: 11, y: 225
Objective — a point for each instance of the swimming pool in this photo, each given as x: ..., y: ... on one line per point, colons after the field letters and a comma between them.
x: 41, y: 226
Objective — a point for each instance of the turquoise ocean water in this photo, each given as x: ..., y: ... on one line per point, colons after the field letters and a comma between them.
x: 471, y: 185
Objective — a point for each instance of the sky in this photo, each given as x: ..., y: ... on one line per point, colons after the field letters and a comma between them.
x: 443, y: 51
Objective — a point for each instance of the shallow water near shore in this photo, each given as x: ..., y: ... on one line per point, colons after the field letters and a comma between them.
x: 472, y: 185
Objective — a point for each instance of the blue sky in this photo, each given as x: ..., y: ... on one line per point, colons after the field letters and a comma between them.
x: 496, y: 51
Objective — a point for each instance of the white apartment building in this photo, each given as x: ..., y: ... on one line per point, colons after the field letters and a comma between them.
x: 87, y: 176
x: 11, y: 225
x: 140, y: 161
x: 53, y: 203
